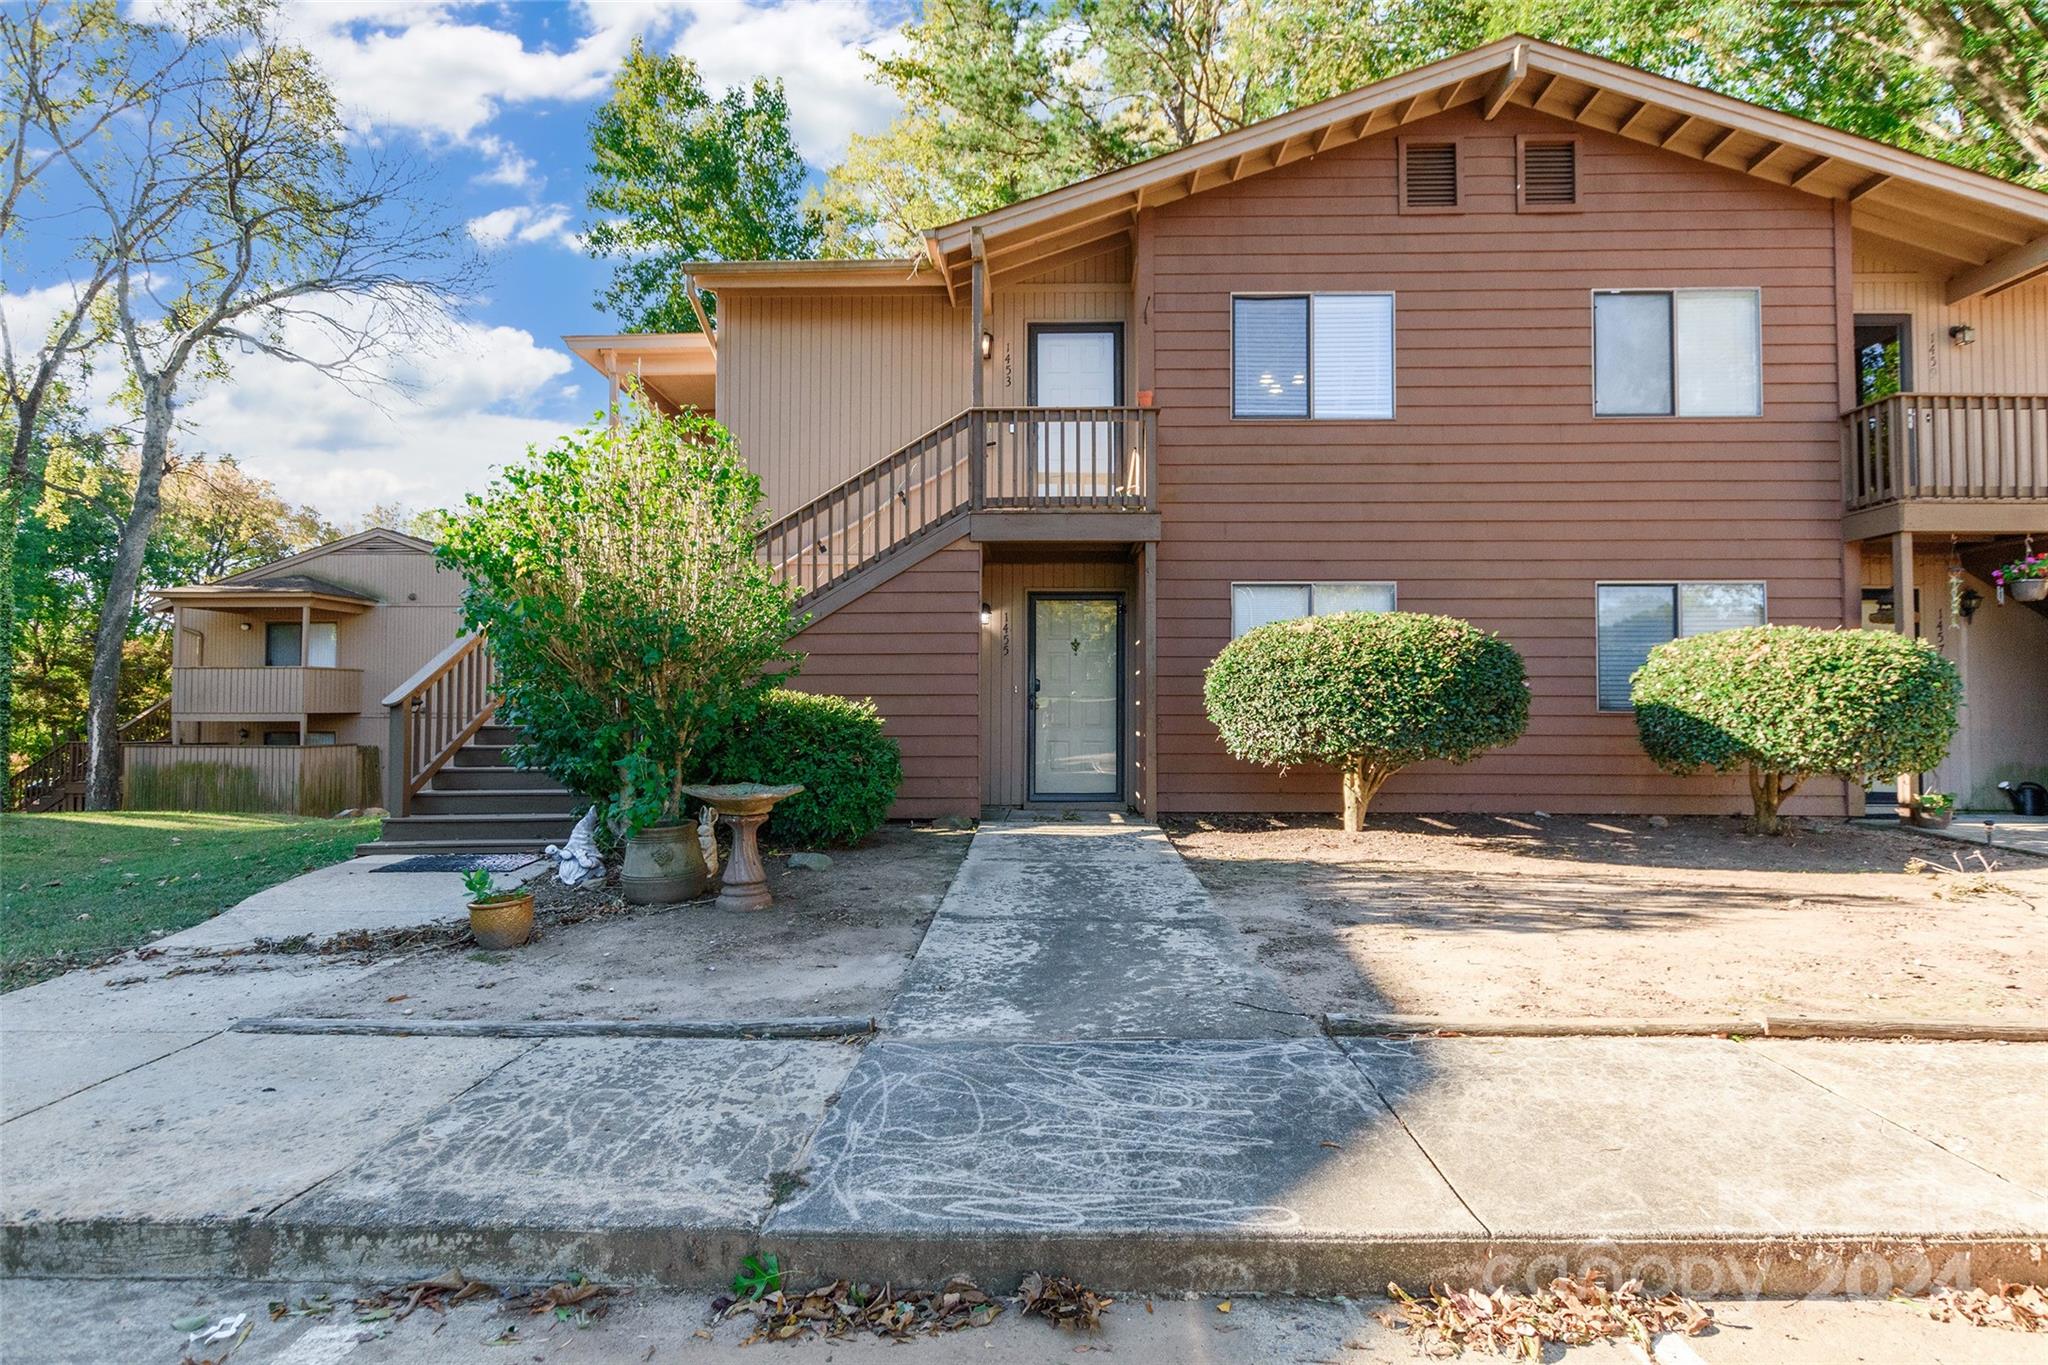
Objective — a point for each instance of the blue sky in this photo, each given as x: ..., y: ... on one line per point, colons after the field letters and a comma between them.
x: 497, y: 99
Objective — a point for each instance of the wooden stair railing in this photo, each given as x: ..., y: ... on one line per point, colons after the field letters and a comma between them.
x: 984, y: 459
x: 55, y: 780
x: 434, y: 713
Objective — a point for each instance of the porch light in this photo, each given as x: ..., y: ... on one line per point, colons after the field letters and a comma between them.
x: 1963, y: 334
x: 1968, y: 602
x: 988, y: 345
x: 246, y: 626
x: 986, y: 614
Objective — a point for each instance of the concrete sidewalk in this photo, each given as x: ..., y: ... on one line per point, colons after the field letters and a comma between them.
x: 1083, y: 1073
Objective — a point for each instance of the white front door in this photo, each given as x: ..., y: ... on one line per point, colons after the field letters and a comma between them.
x: 1075, y: 368
x: 1076, y: 657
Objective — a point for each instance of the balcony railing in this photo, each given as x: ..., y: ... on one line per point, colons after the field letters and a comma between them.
x: 1947, y: 446
x: 264, y: 693
x: 985, y: 459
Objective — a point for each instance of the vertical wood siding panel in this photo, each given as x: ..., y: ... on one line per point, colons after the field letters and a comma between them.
x: 2011, y: 352
x: 1494, y: 495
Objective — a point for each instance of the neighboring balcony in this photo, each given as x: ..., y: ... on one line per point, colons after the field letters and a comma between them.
x: 1960, y: 464
x: 264, y: 693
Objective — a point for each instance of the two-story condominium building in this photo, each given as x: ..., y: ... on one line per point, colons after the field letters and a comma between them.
x: 1586, y: 356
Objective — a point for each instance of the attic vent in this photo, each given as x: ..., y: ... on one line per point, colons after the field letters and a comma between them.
x: 1429, y: 175
x: 1550, y: 173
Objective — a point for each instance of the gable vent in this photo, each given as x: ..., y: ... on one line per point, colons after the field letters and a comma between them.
x: 1550, y: 173
x: 1429, y: 178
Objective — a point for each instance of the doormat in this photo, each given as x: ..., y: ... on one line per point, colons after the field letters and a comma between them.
x: 460, y: 862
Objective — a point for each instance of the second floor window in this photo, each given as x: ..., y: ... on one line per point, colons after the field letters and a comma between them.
x: 1325, y: 356
x: 281, y: 644
x: 1677, y: 353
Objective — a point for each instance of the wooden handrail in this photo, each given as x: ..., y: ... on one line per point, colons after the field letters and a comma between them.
x: 433, y: 714
x: 55, y: 778
x: 984, y: 458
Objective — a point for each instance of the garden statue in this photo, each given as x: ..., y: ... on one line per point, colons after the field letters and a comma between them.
x: 577, y: 861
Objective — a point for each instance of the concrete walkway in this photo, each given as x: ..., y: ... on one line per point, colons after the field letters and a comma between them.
x: 1082, y: 1073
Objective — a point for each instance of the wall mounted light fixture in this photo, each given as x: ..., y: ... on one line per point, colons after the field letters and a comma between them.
x: 247, y: 626
x: 986, y: 614
x: 988, y: 345
x: 1968, y: 602
x: 1963, y: 334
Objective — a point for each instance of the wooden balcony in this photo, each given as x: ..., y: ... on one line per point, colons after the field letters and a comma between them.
x: 264, y: 693
x: 1962, y: 464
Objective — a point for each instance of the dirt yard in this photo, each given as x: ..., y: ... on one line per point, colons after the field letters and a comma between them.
x: 1515, y: 917
x: 836, y: 942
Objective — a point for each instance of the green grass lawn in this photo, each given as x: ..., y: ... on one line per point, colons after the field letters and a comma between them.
x: 74, y: 888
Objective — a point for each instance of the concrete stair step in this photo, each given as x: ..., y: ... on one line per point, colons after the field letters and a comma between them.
x: 497, y: 735
x: 549, y: 801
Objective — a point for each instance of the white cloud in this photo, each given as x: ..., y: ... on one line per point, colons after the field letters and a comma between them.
x: 524, y: 223
x: 464, y: 409
x: 508, y: 165
x: 814, y: 46
x: 438, y: 71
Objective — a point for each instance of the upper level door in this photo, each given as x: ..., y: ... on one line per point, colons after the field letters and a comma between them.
x: 1076, y: 365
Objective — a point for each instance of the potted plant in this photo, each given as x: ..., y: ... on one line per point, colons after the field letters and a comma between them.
x: 499, y: 919
x: 2026, y: 578
x: 1932, y: 810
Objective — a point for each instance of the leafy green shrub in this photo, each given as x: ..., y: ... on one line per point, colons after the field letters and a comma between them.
x: 628, y: 615
x: 849, y: 769
x: 1792, y: 702
x: 1368, y: 693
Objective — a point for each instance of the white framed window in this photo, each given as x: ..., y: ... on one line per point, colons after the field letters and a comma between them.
x: 1634, y: 618
x: 1329, y: 357
x: 1260, y: 604
x: 1678, y: 353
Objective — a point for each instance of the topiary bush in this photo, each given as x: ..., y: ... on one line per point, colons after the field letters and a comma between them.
x: 1793, y: 702
x: 1368, y: 693
x: 850, y: 770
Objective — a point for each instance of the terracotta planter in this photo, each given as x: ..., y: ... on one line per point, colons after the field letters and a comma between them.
x: 2028, y: 589
x: 502, y: 923
x: 664, y: 864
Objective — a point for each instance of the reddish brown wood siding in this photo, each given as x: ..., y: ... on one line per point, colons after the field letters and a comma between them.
x: 913, y: 644
x: 1494, y: 495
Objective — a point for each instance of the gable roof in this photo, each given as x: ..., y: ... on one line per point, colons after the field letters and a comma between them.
x: 1982, y: 232
x: 377, y: 537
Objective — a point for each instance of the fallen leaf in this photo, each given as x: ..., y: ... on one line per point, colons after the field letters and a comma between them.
x: 1223, y: 1307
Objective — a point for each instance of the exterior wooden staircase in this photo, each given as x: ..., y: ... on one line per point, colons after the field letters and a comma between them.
x: 448, y: 783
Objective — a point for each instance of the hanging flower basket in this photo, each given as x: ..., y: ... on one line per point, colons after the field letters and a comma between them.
x: 2026, y: 578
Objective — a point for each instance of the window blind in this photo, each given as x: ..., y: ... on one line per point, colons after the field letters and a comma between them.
x: 1327, y: 599
x: 1633, y: 620
x: 1354, y: 355
x: 1260, y: 604
x: 1269, y: 362
x: 1704, y: 607
x: 1719, y: 369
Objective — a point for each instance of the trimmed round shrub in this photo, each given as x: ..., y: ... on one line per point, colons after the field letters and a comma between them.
x: 1793, y: 702
x: 850, y: 770
x: 1367, y: 693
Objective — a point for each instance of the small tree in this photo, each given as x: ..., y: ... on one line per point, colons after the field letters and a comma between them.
x: 1368, y: 693
x: 616, y: 578
x: 1793, y: 702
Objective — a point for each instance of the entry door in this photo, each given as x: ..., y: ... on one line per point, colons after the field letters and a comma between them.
x: 1076, y: 365
x: 1076, y: 697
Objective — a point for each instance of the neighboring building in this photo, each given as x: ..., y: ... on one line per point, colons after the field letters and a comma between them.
x: 1527, y: 337
x: 271, y: 664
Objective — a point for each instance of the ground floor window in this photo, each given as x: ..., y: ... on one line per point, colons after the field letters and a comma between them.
x: 1257, y: 604
x: 290, y: 738
x: 1634, y: 618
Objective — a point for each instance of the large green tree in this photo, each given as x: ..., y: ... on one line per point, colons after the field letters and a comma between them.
x: 678, y: 175
x: 1004, y: 99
